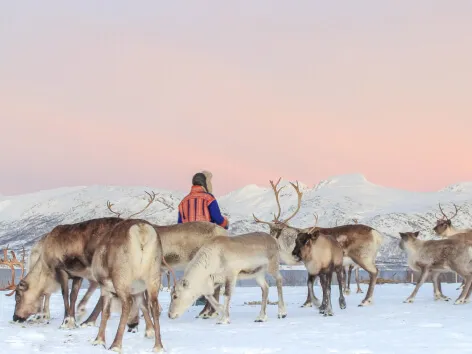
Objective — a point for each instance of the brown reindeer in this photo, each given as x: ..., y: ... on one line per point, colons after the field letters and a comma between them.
x: 127, y: 265
x: 322, y: 255
x: 444, y: 228
x: 360, y: 243
x: 437, y: 256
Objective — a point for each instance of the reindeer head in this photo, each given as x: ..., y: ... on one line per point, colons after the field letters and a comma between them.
x: 26, y: 302
x: 303, y: 244
x: 185, y: 293
x: 276, y: 225
x: 407, y: 238
x: 443, y: 223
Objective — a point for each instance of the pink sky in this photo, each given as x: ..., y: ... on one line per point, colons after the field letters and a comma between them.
x: 150, y: 94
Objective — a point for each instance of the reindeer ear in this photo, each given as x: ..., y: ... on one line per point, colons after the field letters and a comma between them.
x: 403, y: 235
x: 449, y: 222
x: 314, y: 235
x: 416, y: 233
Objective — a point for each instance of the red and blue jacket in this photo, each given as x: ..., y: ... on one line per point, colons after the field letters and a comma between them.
x: 199, y: 205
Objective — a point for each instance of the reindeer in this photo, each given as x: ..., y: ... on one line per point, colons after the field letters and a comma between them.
x: 127, y: 266
x: 360, y: 243
x: 437, y: 256
x: 322, y: 255
x: 224, y: 261
x: 445, y: 229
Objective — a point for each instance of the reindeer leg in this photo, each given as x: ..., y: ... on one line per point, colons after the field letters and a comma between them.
x: 324, y: 304
x: 329, y: 309
x: 260, y: 280
x: 438, y: 295
x: 340, y: 273
x: 63, y: 279
x: 347, y: 290
x: 76, y: 284
x: 126, y: 302
x: 359, y: 290
x: 153, y: 297
x: 46, y: 312
x: 278, y: 280
x: 424, y: 275
x: 40, y: 316
x: 465, y: 291
x: 144, y: 305
x: 371, y: 268
x: 229, y: 288
x: 105, y: 299
x: 90, y: 321
x: 311, y: 298
x: 208, y: 311
x: 82, y: 304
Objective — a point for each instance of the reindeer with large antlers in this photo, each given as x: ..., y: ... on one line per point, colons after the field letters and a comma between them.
x: 360, y: 243
x: 12, y: 263
x: 444, y: 228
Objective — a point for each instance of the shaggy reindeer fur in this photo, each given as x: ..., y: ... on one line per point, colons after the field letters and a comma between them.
x: 322, y: 255
x: 126, y: 264
x: 437, y: 256
x: 223, y: 261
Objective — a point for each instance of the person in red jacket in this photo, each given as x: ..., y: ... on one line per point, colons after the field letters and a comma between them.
x: 200, y: 204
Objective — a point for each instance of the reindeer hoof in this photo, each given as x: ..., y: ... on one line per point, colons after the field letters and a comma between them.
x: 87, y: 324
x: 347, y: 292
x: 224, y: 321
x: 261, y: 319
x: 342, y: 304
x: 115, y: 349
x: 282, y: 315
x: 365, y: 303
x: 69, y: 323
x: 149, y: 333
x: 158, y: 349
x: 359, y: 291
x: 99, y: 342
x: 307, y: 304
x: 459, y: 302
x: 409, y: 301
x: 133, y: 327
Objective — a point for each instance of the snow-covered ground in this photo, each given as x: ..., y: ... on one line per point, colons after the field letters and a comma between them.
x: 388, y: 326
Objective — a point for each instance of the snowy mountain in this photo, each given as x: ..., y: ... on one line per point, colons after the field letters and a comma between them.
x: 340, y: 199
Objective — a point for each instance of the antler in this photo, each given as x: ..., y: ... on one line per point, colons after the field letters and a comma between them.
x: 276, y: 192
x: 151, y: 199
x: 300, y: 194
x: 444, y: 214
x: 316, y: 223
x: 109, y: 205
x: 11, y: 263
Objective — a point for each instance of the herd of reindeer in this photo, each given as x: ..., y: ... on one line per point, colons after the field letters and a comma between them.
x: 126, y: 258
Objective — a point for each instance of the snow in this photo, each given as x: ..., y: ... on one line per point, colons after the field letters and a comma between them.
x: 388, y: 326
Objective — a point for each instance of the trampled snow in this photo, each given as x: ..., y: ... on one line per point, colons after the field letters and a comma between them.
x: 388, y: 326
